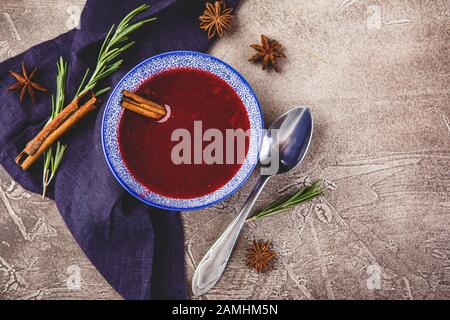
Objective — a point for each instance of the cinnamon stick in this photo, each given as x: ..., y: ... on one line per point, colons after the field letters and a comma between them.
x: 38, y: 146
x: 141, y: 111
x: 34, y: 144
x: 145, y: 107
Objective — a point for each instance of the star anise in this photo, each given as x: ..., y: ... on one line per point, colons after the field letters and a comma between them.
x: 259, y: 255
x: 269, y: 51
x: 25, y: 84
x: 216, y: 18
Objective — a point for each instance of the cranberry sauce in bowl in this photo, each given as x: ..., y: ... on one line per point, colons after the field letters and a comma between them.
x: 146, y: 146
x: 204, y: 95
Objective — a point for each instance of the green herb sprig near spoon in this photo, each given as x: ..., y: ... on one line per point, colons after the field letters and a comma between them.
x: 289, y: 201
x: 115, y: 43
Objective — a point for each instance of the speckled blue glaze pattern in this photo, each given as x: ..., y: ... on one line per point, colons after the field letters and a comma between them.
x: 132, y: 81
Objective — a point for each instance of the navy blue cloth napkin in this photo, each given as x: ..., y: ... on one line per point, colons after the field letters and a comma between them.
x: 137, y: 248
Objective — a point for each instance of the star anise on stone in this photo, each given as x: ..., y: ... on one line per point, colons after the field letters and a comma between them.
x: 269, y: 51
x: 25, y: 84
x: 259, y: 256
x: 216, y: 18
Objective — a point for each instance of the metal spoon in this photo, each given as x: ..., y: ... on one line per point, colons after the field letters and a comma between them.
x: 289, y: 138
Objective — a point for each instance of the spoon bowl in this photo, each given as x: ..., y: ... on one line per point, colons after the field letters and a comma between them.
x: 287, y: 141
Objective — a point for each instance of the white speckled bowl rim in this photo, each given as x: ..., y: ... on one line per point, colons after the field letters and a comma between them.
x: 132, y: 80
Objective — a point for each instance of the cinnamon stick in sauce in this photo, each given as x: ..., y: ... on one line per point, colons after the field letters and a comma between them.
x: 145, y: 107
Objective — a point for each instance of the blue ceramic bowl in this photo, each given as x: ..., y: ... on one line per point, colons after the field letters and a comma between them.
x: 131, y: 81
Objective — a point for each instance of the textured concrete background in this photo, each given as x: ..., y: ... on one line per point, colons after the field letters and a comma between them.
x: 376, y: 75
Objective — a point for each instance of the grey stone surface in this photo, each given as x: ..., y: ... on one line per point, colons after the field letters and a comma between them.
x: 376, y: 75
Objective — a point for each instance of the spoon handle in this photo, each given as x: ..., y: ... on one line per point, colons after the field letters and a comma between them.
x: 211, y: 267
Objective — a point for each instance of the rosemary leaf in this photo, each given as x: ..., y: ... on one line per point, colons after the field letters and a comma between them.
x: 82, y: 82
x: 287, y: 202
x: 102, y: 91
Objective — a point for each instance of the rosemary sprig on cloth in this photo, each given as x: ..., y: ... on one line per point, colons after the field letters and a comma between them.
x: 113, y: 46
x: 53, y: 159
x: 115, y: 43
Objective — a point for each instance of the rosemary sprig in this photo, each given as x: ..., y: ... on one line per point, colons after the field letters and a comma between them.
x: 52, y: 158
x: 289, y: 201
x: 113, y: 46
x: 115, y: 43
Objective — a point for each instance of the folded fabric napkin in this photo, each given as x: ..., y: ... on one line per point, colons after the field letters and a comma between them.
x: 137, y: 248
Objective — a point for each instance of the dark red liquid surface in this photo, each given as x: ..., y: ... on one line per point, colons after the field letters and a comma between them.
x: 146, y: 145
